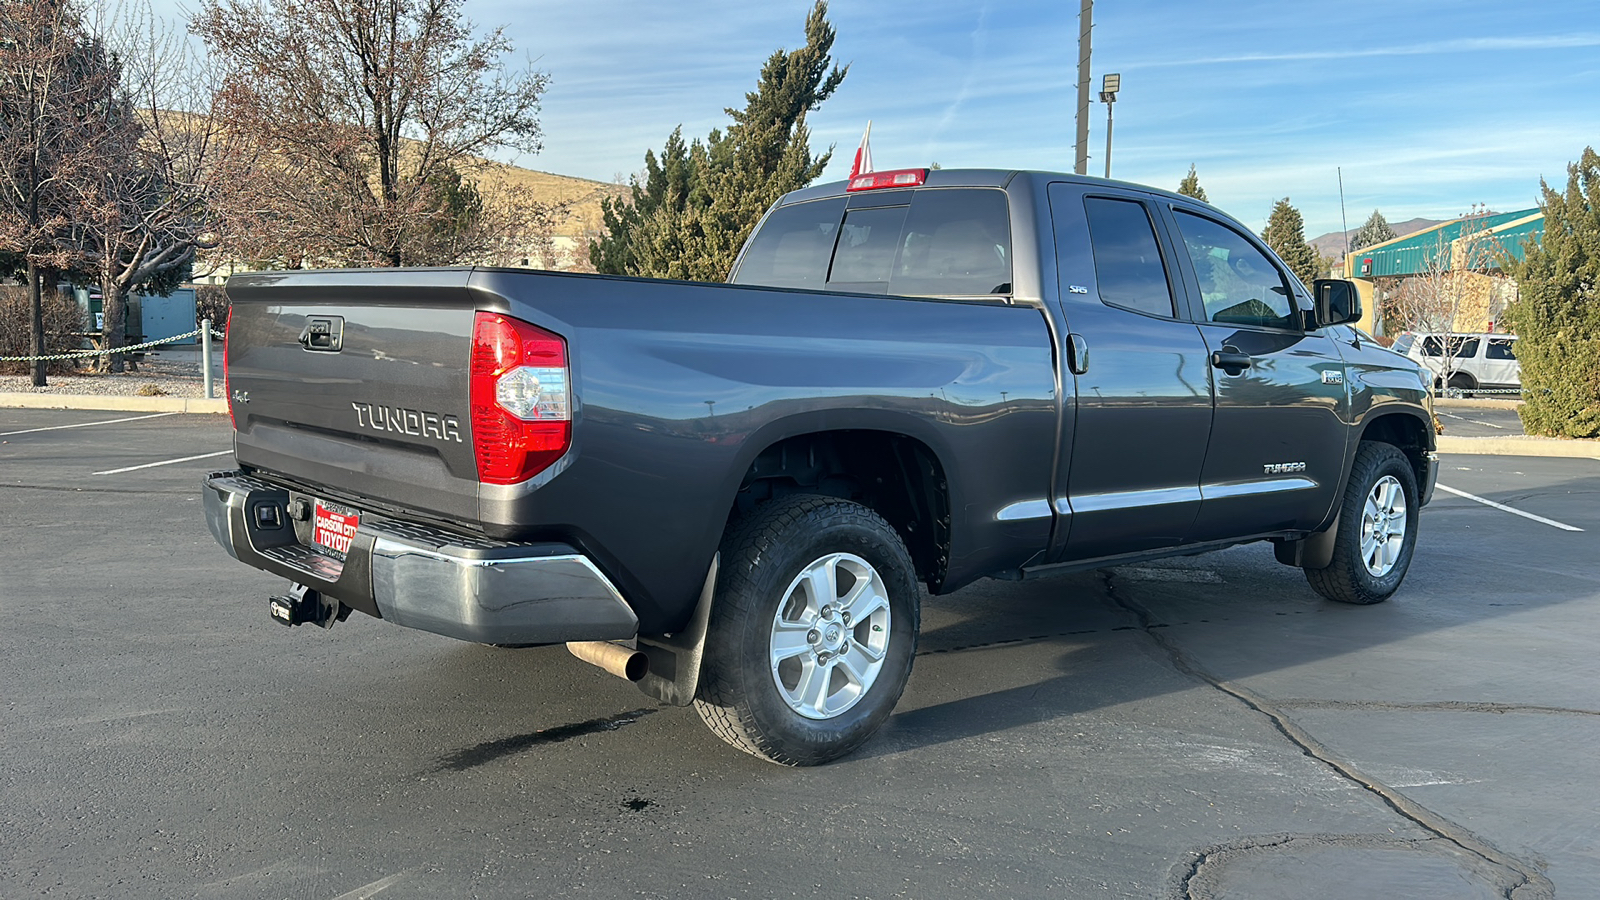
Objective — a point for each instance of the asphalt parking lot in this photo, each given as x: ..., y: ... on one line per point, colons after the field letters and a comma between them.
x: 1468, y: 421
x: 1203, y: 727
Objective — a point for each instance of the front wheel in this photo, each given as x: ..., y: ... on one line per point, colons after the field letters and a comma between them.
x: 813, y: 631
x: 1377, y: 529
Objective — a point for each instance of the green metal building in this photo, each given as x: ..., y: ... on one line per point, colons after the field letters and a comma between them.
x: 1492, y: 239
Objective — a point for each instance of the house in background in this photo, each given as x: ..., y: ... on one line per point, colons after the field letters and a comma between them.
x: 1461, y: 258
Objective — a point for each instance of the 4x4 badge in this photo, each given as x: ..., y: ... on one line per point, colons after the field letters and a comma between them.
x: 1332, y: 376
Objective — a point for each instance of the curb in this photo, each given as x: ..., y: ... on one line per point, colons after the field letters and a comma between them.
x: 1477, y: 402
x: 120, y: 404
x: 1520, y: 446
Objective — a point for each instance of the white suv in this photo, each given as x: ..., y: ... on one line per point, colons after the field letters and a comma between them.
x: 1475, y: 361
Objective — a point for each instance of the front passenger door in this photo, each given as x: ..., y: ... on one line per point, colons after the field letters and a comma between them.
x: 1277, y: 447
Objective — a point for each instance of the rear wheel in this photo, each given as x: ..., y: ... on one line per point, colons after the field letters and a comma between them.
x: 813, y: 631
x: 1377, y: 529
x: 1462, y: 383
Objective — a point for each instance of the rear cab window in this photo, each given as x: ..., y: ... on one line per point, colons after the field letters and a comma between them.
x: 931, y: 242
x: 1501, y: 348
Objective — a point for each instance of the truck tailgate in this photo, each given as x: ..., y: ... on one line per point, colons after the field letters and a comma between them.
x: 358, y: 380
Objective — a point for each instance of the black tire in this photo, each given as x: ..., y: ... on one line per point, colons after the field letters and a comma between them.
x: 1463, y: 383
x: 742, y: 696
x: 1350, y: 577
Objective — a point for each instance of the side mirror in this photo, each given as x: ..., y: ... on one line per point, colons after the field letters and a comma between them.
x: 1335, y: 302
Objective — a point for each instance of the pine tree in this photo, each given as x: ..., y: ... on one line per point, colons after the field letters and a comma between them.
x: 1375, y: 231
x: 1557, y: 315
x: 698, y: 203
x: 1285, y: 234
x: 1190, y: 186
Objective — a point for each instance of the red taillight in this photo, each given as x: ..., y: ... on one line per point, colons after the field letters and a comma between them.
x: 893, y: 178
x: 227, y: 329
x: 521, y: 404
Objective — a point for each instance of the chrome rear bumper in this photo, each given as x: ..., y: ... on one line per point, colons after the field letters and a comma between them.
x: 474, y: 589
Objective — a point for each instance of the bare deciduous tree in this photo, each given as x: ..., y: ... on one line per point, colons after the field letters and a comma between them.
x: 165, y: 161
x: 1456, y: 288
x: 376, y: 113
x: 54, y: 76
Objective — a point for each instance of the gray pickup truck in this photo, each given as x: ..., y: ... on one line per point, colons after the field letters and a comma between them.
x: 730, y: 493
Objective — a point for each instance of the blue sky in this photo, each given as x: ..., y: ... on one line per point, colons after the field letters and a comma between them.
x: 1427, y: 106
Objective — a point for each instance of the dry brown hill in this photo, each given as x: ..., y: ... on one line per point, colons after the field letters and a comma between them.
x: 581, y: 194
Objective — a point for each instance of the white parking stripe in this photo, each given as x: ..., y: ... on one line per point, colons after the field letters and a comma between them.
x: 1501, y: 506
x: 1473, y: 421
x: 165, y: 462
x: 86, y: 424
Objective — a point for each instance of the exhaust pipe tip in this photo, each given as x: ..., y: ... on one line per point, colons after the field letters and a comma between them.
x: 624, y: 662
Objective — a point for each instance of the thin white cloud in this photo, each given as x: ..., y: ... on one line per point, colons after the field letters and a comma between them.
x: 980, y: 45
x: 1428, y: 48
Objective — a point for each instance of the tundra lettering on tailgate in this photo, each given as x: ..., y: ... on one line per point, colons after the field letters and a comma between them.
x: 415, y: 422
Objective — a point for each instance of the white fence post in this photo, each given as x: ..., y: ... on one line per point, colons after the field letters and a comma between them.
x: 205, y: 356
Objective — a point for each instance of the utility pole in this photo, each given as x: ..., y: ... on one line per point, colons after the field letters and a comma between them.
x: 1085, y: 22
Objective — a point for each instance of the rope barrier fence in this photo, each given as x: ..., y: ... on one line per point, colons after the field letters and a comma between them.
x: 88, y: 354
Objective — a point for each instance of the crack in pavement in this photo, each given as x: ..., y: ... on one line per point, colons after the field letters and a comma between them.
x: 1435, y: 706
x: 1198, y: 876
x: 1533, y: 884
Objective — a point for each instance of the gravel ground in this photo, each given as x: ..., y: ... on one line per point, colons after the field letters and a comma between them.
x: 171, y: 375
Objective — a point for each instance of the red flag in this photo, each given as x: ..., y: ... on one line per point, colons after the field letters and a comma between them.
x: 863, y: 163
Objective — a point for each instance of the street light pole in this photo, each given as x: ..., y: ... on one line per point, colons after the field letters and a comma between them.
x: 1108, y: 95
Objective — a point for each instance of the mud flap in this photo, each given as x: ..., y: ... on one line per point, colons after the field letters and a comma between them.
x: 674, y: 673
x: 1314, y: 551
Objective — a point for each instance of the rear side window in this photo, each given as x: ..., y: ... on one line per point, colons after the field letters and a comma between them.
x: 793, y: 246
x: 1127, y: 259
x: 1500, y: 348
x: 1239, y: 284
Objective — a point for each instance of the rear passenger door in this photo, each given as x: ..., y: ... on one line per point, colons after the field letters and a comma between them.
x: 1277, y: 448
x: 1500, y: 366
x: 1131, y: 481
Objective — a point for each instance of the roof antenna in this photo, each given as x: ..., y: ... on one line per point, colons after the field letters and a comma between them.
x: 1342, y: 220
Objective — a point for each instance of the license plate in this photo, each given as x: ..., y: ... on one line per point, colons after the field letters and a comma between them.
x: 333, y: 527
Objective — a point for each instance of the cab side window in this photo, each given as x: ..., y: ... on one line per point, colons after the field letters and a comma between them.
x: 1239, y: 284
x: 1127, y: 258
